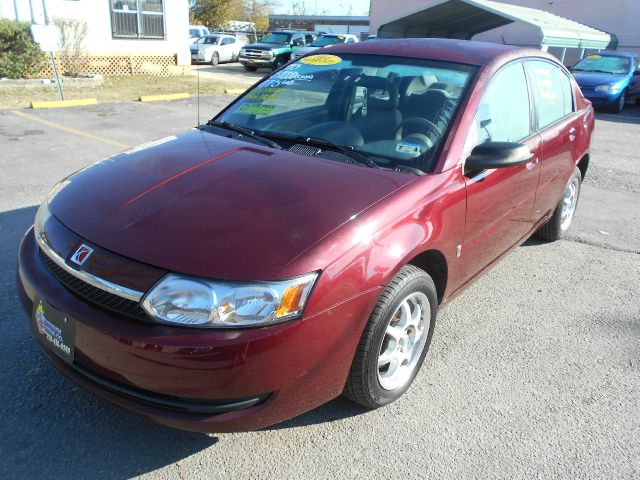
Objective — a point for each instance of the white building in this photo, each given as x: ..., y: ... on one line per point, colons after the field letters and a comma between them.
x: 619, y: 17
x: 155, y: 32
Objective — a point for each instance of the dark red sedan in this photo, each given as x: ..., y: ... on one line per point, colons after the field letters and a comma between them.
x: 298, y: 245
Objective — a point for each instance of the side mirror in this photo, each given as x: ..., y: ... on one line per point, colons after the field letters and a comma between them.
x: 636, y: 73
x: 497, y: 155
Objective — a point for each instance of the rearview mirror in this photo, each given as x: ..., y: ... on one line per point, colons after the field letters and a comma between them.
x: 497, y: 155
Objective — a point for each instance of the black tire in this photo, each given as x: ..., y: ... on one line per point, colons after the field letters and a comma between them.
x: 250, y: 69
x: 278, y: 63
x: 618, y: 106
x: 215, y: 59
x: 554, y: 230
x: 363, y: 385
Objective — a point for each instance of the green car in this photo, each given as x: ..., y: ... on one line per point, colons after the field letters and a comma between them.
x: 274, y: 50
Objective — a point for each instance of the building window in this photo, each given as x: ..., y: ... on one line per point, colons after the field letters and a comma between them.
x: 137, y: 18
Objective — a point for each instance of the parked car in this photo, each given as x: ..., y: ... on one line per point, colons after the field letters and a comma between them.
x: 609, y: 79
x: 197, y: 31
x: 274, y: 50
x: 216, y: 48
x: 323, y: 41
x: 298, y: 245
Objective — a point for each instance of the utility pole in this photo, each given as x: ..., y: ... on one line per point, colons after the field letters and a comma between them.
x: 15, y: 9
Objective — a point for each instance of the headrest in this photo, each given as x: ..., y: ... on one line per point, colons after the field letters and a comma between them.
x: 385, y: 84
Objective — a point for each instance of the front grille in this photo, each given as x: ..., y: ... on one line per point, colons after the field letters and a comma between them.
x: 97, y: 296
x: 253, y: 53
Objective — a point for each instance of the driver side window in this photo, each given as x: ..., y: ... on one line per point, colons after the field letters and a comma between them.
x: 504, y: 113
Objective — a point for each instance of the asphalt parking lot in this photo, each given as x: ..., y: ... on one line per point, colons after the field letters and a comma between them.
x: 533, y: 372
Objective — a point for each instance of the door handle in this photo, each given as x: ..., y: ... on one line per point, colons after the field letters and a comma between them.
x: 572, y: 134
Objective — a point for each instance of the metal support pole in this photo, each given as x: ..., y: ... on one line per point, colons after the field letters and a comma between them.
x: 15, y: 9
x: 582, y: 52
x: 564, y: 53
x: 55, y: 71
x: 33, y: 18
x: 44, y: 12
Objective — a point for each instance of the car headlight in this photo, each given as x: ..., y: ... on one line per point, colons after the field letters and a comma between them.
x: 267, y: 54
x: 193, y: 302
x: 607, y: 88
x: 43, y: 213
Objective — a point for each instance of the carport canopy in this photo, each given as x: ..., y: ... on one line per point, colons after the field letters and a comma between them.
x: 463, y: 19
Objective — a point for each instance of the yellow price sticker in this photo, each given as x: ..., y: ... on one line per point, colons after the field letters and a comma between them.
x: 321, y: 60
x: 594, y: 57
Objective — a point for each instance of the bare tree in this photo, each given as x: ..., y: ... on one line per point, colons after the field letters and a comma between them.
x: 72, y: 34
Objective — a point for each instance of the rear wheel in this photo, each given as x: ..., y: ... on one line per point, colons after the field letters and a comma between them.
x: 215, y: 58
x: 558, y: 225
x: 395, y: 340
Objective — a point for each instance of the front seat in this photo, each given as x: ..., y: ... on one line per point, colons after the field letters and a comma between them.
x: 427, y: 105
x: 381, y: 117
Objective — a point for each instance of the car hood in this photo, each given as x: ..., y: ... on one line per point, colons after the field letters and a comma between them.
x: 207, y: 205
x: 264, y: 46
x: 593, y: 79
x: 201, y: 46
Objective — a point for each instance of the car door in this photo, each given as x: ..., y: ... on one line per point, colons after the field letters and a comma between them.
x: 225, y: 49
x: 500, y: 201
x: 558, y: 125
x: 634, y: 83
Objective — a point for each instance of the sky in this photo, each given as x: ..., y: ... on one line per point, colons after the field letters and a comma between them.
x: 325, y: 7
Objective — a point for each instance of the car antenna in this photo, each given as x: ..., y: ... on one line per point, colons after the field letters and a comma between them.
x: 198, y: 93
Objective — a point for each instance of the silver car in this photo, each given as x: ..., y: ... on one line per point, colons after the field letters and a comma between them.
x: 215, y: 48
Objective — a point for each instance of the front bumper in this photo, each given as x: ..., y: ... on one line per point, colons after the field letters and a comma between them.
x: 600, y: 99
x: 256, y: 62
x: 146, y: 368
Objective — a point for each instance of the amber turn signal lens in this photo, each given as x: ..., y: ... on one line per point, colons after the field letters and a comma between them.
x: 293, y: 299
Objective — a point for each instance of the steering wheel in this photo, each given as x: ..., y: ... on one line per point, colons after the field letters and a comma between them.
x: 422, y: 124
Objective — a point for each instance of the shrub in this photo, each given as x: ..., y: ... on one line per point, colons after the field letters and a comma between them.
x: 72, y: 33
x: 20, y: 56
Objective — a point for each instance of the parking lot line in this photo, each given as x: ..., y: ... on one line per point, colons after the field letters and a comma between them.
x: 161, y: 107
x: 69, y: 129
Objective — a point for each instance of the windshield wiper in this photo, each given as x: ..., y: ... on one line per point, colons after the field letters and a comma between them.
x: 347, y: 150
x: 245, y: 132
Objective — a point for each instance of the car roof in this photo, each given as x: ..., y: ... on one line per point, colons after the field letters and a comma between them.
x: 462, y: 51
x: 613, y: 53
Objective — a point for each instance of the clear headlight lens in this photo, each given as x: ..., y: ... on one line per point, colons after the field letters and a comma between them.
x: 608, y: 88
x: 43, y: 213
x: 192, y: 302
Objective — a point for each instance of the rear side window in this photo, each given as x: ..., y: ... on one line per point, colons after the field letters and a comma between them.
x: 549, y: 84
x: 504, y: 113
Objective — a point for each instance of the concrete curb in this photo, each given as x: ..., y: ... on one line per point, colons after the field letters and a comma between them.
x: 169, y: 96
x: 64, y: 103
x: 235, y: 91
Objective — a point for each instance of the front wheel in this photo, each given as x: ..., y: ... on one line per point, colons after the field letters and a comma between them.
x: 558, y: 225
x: 215, y: 59
x: 620, y: 102
x: 395, y: 340
x: 250, y: 69
x: 278, y: 63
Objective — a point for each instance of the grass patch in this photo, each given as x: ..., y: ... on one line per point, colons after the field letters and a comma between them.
x: 114, y: 89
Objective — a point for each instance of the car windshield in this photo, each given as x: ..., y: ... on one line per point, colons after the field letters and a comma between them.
x: 601, y: 63
x: 394, y: 110
x: 279, y: 38
x: 327, y: 40
x: 208, y: 40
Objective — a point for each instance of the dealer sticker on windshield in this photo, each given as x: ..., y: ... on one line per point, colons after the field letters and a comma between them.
x: 321, y: 60
x: 412, y: 148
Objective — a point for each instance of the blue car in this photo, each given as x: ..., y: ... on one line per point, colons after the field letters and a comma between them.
x: 609, y: 79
